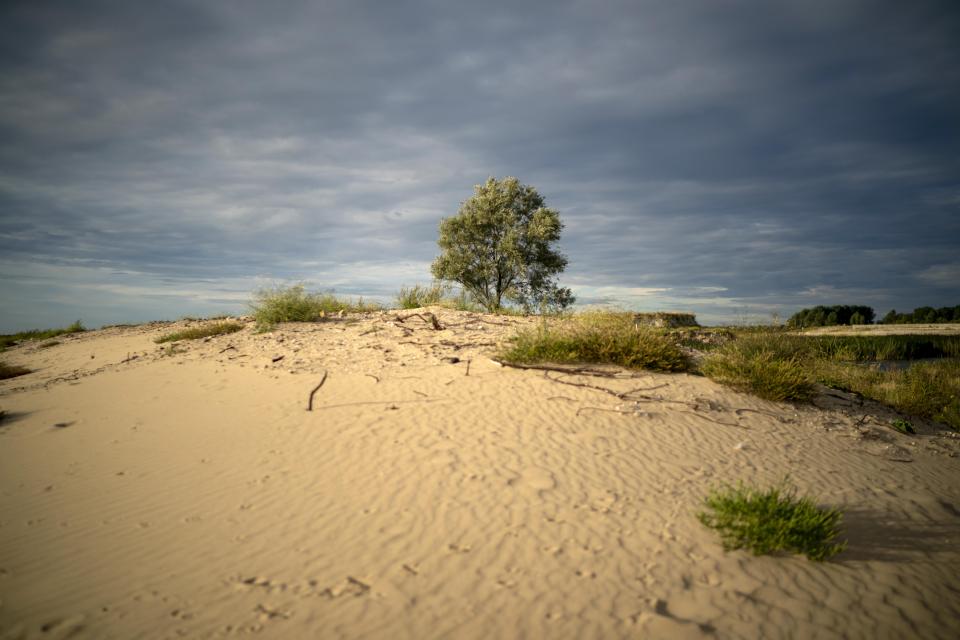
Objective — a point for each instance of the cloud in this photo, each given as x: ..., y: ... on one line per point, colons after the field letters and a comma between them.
x: 761, y: 149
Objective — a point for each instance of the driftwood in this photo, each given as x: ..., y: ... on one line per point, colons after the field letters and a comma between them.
x: 315, y: 389
x: 426, y: 317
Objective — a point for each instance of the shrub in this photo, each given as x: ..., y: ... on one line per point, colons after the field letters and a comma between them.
x: 216, y: 329
x: 774, y: 520
x: 598, y: 337
x: 293, y: 304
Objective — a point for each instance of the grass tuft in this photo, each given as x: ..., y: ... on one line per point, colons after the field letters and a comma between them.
x: 39, y: 334
x: 216, y: 329
x: 274, y: 305
x: 421, y: 296
x: 597, y: 337
x: 8, y: 371
x: 773, y: 520
x: 765, y: 365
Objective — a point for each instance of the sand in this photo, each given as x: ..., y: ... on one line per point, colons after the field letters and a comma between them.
x: 885, y: 330
x: 146, y: 493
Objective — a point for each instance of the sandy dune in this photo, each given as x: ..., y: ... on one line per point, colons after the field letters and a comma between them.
x: 192, y: 494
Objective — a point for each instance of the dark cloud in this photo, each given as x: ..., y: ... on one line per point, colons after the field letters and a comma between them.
x: 726, y: 157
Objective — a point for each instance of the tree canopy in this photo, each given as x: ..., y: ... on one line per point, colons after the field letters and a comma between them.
x: 500, y: 246
x: 821, y: 316
x: 923, y: 315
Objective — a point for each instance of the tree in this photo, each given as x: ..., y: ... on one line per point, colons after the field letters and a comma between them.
x: 499, y: 245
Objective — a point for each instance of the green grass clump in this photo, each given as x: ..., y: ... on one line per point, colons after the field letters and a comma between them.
x: 769, y: 366
x: 903, y: 426
x: 421, y: 296
x: 215, y: 329
x: 597, y: 337
x: 773, y: 520
x: 8, y: 371
x: 294, y: 304
x: 38, y: 334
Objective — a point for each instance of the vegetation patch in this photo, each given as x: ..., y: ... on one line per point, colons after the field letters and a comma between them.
x: 274, y: 305
x: 923, y: 315
x: 772, y: 520
x: 927, y: 389
x: 206, y: 331
x: 8, y: 371
x: 38, y: 334
x: 839, y: 314
x: 421, y: 296
x: 783, y: 366
x: 903, y: 426
x: 597, y: 337
x: 770, y: 367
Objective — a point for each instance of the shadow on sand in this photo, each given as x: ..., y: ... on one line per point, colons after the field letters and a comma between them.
x: 886, y: 537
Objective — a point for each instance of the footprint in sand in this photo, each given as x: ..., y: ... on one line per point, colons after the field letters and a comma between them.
x: 533, y: 479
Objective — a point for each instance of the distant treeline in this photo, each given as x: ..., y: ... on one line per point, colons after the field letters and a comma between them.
x: 821, y: 316
x: 923, y: 315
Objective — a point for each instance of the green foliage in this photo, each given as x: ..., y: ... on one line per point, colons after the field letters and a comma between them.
x: 903, y: 426
x: 597, y: 337
x: 773, y: 520
x: 8, y: 371
x: 37, y: 334
x: 923, y: 315
x: 769, y: 366
x: 841, y: 314
x: 421, y: 296
x: 294, y: 304
x: 216, y: 329
x: 499, y: 246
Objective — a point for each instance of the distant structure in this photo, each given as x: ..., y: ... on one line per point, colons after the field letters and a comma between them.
x: 666, y: 319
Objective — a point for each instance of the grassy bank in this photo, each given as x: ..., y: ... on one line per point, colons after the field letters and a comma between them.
x: 771, y: 363
x: 205, y: 331
x: 783, y: 366
x: 11, y: 339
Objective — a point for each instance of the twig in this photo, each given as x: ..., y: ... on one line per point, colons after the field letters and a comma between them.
x: 428, y: 317
x: 420, y: 393
x: 373, y: 330
x: 468, y: 367
x: 277, y: 358
x: 569, y: 370
x: 315, y: 389
x: 227, y: 348
x: 372, y: 376
x: 603, y: 409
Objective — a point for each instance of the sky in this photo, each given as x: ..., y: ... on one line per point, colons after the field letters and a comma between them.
x: 741, y: 160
